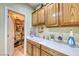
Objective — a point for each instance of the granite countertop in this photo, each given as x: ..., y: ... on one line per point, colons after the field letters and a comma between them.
x: 63, y: 48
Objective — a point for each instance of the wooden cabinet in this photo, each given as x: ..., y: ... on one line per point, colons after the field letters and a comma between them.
x: 45, y: 14
x: 36, y: 51
x: 52, y: 15
x: 63, y: 14
x: 33, y: 48
x: 34, y: 18
x: 29, y: 48
x: 51, y: 52
x: 41, y: 19
x: 36, y: 48
x: 69, y: 14
x: 43, y: 53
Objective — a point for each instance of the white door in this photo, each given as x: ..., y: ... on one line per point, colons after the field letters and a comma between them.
x: 10, y: 33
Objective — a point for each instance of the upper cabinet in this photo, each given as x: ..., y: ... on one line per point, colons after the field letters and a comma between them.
x: 52, y: 15
x: 34, y: 18
x: 62, y: 14
x: 41, y: 16
x: 69, y: 14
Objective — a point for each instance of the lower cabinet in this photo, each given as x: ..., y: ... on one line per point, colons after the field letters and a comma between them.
x: 51, y: 51
x: 29, y: 48
x: 43, y: 53
x: 35, y: 49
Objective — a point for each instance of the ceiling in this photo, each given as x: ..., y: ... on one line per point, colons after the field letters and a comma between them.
x: 34, y: 5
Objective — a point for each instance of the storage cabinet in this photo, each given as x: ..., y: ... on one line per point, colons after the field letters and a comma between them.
x: 41, y: 19
x: 69, y: 14
x: 51, y: 52
x: 52, y: 15
x: 33, y: 48
x: 43, y: 53
x: 36, y: 48
x: 34, y: 18
x: 36, y: 51
x: 63, y: 14
x: 29, y: 48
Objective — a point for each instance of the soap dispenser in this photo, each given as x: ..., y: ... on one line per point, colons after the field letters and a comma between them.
x: 71, y: 40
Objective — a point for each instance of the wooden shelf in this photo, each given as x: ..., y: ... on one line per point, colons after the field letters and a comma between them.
x: 19, y: 32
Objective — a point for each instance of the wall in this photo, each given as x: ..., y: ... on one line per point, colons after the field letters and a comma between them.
x: 63, y: 31
x: 23, y: 8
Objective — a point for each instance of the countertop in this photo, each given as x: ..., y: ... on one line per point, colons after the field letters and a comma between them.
x: 63, y: 48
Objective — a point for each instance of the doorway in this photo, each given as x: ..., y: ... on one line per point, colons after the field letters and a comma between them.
x: 15, y: 32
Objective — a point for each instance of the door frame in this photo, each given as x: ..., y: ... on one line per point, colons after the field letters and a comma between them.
x: 6, y: 36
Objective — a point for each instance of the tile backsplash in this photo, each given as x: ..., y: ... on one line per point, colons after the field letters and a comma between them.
x: 65, y: 31
x: 60, y: 31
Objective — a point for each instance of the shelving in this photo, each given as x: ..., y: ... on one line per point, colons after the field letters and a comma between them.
x: 19, y: 32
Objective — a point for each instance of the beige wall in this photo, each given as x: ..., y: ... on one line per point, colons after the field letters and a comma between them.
x: 23, y: 8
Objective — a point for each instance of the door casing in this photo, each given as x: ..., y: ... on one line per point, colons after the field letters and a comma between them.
x: 6, y: 36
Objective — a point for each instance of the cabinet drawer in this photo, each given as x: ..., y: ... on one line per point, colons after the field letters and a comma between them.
x: 51, y: 51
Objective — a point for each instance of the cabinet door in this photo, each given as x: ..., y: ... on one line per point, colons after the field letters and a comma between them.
x: 36, y: 51
x: 70, y: 14
x: 41, y: 16
x: 52, y: 52
x: 45, y: 14
x: 52, y: 15
x: 43, y: 53
x: 29, y: 49
x: 34, y: 18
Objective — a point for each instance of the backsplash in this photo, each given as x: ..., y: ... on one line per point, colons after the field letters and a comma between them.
x: 65, y: 32
x: 60, y: 31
